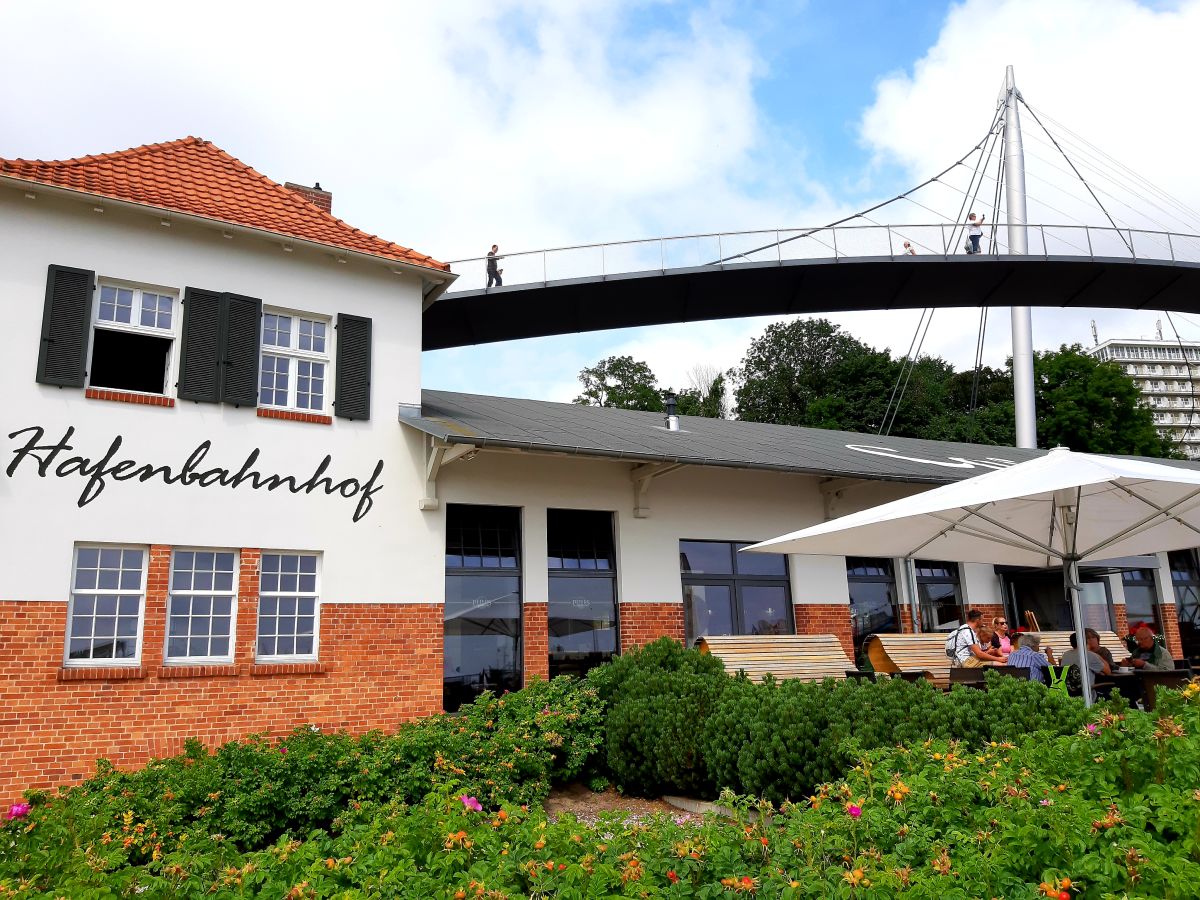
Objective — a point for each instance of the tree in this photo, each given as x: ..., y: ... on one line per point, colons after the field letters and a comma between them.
x: 810, y: 372
x: 1092, y: 406
x: 706, y: 396
x: 621, y: 382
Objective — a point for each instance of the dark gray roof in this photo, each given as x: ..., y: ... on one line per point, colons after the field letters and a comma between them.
x: 642, y: 436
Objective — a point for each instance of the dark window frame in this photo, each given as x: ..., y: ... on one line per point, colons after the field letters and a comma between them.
x: 735, y: 581
x: 609, y: 574
x: 1143, y: 581
x: 515, y: 571
x: 889, y: 579
x: 921, y: 580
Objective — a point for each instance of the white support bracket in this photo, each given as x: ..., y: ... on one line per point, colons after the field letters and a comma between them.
x: 438, y: 454
x: 641, y: 476
x: 833, y: 492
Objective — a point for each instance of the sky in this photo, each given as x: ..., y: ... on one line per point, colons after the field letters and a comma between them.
x: 536, y: 123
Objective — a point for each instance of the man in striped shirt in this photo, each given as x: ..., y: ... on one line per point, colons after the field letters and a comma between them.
x: 1029, y: 655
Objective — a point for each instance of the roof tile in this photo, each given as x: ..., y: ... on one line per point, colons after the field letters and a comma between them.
x: 195, y: 177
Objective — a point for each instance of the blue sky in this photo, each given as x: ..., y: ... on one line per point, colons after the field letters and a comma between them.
x: 538, y: 123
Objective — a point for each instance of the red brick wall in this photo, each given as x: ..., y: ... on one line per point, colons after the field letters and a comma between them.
x: 535, y: 637
x: 1122, y: 619
x: 380, y: 664
x: 642, y: 623
x: 906, y: 619
x: 1169, y: 616
x: 826, y: 618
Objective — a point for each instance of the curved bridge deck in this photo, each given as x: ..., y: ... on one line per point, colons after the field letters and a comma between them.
x: 1102, y: 268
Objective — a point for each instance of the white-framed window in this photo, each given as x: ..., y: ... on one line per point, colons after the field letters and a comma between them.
x: 107, y: 604
x: 294, y: 363
x: 133, y: 337
x: 202, y: 607
x: 289, y: 607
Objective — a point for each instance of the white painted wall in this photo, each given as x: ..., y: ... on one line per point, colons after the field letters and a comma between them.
x: 710, y: 503
x: 392, y: 554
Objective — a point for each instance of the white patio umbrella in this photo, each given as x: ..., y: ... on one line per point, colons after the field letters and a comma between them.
x: 1062, y: 507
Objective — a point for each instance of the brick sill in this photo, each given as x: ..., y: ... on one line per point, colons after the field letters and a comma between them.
x: 310, y: 668
x: 289, y: 416
x: 100, y: 673
x: 197, y: 671
x: 127, y: 397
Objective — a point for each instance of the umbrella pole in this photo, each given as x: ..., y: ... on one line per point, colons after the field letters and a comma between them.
x: 1071, y: 583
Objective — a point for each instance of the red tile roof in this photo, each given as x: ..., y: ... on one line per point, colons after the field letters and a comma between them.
x: 195, y: 177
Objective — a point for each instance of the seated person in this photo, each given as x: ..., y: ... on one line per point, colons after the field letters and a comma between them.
x: 1029, y: 655
x: 983, y: 652
x: 1096, y: 663
x: 1149, y: 656
x: 1001, y: 639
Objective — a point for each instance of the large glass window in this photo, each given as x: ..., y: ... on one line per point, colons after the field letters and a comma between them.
x: 583, y: 590
x: 726, y: 592
x: 1141, y: 597
x: 939, y: 594
x: 201, y: 606
x: 107, y: 600
x: 1185, y: 576
x: 874, y: 605
x: 482, y: 642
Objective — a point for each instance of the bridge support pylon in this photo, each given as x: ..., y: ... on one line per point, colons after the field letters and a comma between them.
x: 1018, y: 245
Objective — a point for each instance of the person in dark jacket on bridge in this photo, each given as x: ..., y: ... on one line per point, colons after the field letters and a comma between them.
x: 493, y: 273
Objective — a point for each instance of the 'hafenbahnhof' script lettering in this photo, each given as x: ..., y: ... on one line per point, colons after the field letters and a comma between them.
x: 97, y: 473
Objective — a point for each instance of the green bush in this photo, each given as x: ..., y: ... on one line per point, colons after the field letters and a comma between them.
x: 1110, y: 811
x: 800, y: 734
x: 507, y: 749
x: 662, y: 655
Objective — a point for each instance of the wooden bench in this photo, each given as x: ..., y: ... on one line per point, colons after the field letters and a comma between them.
x: 910, y: 653
x: 809, y: 657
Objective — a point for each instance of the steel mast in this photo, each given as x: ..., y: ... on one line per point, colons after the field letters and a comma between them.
x: 1018, y: 245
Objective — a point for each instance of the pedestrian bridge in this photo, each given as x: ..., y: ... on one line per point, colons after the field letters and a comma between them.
x: 594, y: 287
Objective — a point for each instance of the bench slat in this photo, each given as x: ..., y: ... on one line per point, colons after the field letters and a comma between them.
x: 809, y: 657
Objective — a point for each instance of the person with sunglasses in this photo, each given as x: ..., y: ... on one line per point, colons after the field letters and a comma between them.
x: 1001, y: 639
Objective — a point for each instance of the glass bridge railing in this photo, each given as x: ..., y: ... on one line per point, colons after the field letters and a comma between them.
x: 778, y: 246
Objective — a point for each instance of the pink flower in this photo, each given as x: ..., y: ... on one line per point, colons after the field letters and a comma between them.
x: 1092, y: 729
x: 18, y: 810
x: 471, y: 803
x: 1045, y: 803
x: 855, y: 811
x: 283, y: 750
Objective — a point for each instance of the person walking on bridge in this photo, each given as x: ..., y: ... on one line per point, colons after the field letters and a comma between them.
x: 493, y: 273
x: 974, y: 233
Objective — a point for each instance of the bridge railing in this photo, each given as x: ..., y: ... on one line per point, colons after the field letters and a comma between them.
x: 778, y: 246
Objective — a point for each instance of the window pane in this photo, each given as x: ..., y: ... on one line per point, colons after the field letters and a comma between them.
x: 580, y: 539
x: 277, y: 330
x: 482, y: 536
x: 765, y: 610
x: 863, y: 566
x: 582, y: 620
x: 872, y: 609
x: 706, y: 557
x: 482, y: 636
x: 770, y: 564
x: 709, y: 610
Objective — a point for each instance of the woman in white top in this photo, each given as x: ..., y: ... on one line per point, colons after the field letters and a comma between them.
x: 974, y: 232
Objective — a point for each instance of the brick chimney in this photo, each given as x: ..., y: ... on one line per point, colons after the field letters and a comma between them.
x: 315, y: 195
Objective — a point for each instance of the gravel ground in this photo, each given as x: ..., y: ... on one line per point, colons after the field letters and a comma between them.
x: 588, y: 805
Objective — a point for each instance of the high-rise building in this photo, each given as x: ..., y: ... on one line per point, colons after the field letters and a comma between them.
x: 1167, y: 373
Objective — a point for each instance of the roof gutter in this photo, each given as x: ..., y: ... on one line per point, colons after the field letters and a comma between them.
x: 439, y: 278
x: 484, y: 443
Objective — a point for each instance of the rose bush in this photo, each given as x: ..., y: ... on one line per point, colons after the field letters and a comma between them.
x: 1110, y: 810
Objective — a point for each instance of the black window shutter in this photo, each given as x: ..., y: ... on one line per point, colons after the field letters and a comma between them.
x: 66, y: 321
x: 200, y: 353
x: 240, y: 353
x: 352, y: 394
